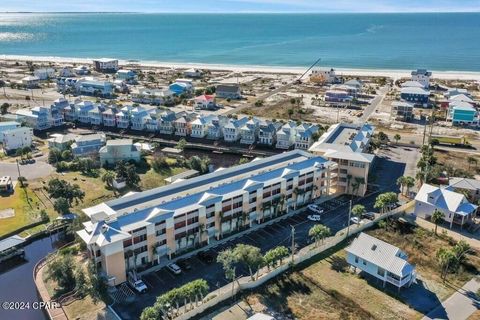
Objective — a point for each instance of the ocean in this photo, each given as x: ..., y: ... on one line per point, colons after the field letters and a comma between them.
x: 437, y: 41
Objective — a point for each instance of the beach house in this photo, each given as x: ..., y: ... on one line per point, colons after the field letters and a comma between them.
x: 380, y: 260
x: 119, y: 150
x: 228, y: 91
x: 94, y: 87
x: 82, y: 108
x: 249, y: 131
x: 81, y: 70
x: 412, y: 84
x: 466, y: 186
x: 38, y: 118
x: 305, y: 135
x: 61, y: 141
x: 30, y: 82
x: 340, y: 96
x: 286, y: 135
x: 179, y: 88
x: 139, y: 117
x: 109, y: 117
x: 193, y: 73
x: 152, y: 96
x: 205, y: 102
x: 183, y: 123
x: 200, y: 126
x: 267, y: 132
x: 454, y: 206
x: 215, y: 127
x: 418, y: 96
x: 422, y: 76
x: 105, y: 65
x: 8, y: 125
x: 462, y: 113
x: 87, y: 145
x: 231, y: 131
x: 323, y: 75
x: 402, y: 110
x: 166, y: 122
x: 44, y: 73
x: 348, y: 145
x: 14, y: 139
x: 355, y: 83
x: 96, y: 114
x: 128, y: 76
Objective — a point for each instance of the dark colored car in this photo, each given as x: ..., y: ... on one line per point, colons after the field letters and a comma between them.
x: 184, y: 264
x: 208, y: 256
x: 369, y: 215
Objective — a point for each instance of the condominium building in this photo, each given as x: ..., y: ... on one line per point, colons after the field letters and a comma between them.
x: 347, y: 145
x: 151, y: 227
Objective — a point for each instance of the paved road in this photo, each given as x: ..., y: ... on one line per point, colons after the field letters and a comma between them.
x: 39, y: 169
x: 460, y: 305
x: 374, y: 104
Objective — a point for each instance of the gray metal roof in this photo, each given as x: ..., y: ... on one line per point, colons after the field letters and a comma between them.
x: 11, y: 242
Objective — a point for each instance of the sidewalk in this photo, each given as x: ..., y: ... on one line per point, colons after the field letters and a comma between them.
x: 56, y: 313
x: 460, y: 305
x: 472, y: 240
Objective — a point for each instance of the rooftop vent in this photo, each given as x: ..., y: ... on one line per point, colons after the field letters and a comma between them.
x: 374, y: 247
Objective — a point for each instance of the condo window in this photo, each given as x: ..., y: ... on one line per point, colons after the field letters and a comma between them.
x: 210, y: 214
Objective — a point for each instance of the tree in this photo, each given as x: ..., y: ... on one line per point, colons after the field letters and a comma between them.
x: 437, y: 218
x: 61, y: 205
x: 409, y: 183
x: 150, y: 313
x: 446, y: 260
x: 397, y: 138
x: 385, y: 201
x: 318, y: 232
x: 274, y: 255
x: 54, y: 155
x: 402, y: 181
x: 108, y: 177
x: 81, y: 282
x: 228, y: 259
x: 250, y: 256
x: 57, y: 188
x: 358, y: 210
x: 4, y: 107
x: 127, y: 171
x: 61, y: 270
x: 471, y: 160
x: 181, y: 144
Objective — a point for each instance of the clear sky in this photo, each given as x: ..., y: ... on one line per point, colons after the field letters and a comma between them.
x: 241, y: 5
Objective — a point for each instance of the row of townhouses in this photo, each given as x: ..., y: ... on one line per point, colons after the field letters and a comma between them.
x: 151, y: 227
x: 186, y: 124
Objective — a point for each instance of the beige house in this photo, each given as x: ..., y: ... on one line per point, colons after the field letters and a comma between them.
x: 150, y: 227
x: 347, y: 145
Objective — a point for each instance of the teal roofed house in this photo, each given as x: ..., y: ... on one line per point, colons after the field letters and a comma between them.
x: 462, y: 113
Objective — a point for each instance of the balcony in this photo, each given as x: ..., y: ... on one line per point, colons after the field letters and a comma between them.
x: 397, y: 282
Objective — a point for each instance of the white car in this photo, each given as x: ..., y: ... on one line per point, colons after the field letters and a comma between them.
x: 355, y: 220
x: 139, y: 285
x: 174, y: 268
x: 315, y: 209
x: 314, y: 217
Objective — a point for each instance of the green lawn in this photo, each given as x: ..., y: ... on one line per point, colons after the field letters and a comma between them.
x: 26, y: 205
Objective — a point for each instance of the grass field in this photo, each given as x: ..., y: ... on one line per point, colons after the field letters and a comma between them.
x: 26, y: 205
x: 328, y: 289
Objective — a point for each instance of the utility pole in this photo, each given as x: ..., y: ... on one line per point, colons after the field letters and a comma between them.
x: 19, y: 175
x: 349, y: 216
x: 293, y: 243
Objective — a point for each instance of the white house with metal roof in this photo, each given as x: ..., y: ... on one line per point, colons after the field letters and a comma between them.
x: 381, y: 260
x: 472, y: 186
x: 455, y: 206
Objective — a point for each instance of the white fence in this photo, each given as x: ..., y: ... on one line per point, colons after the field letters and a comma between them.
x: 303, y: 255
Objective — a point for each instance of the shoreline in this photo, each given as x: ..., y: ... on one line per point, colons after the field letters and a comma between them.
x: 391, y: 73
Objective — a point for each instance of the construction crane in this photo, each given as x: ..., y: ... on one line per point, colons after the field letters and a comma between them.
x: 299, y: 80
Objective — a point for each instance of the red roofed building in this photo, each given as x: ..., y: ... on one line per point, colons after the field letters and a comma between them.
x: 205, y: 102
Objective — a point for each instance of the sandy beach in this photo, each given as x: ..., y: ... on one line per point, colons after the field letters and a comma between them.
x: 395, y: 74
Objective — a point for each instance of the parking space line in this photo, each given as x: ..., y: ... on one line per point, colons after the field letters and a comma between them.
x: 170, y: 275
x: 148, y: 283
x: 159, y: 279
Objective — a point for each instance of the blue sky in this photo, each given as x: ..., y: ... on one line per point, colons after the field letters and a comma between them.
x: 242, y: 5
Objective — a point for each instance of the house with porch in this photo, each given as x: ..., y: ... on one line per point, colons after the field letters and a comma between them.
x: 165, y: 122
x: 200, y: 126
x: 215, y: 127
x: 96, y: 114
x: 231, y: 131
x: 87, y: 145
x: 469, y: 186
x: 123, y: 118
x: 82, y: 109
x: 138, y: 118
x: 305, y: 136
x: 109, y: 118
x: 205, y: 102
x: 455, y: 207
x: 249, y: 131
x: 267, y: 132
x: 286, y: 135
x: 37, y: 118
x: 381, y: 260
x: 183, y: 123
x: 119, y: 150
x: 418, y: 96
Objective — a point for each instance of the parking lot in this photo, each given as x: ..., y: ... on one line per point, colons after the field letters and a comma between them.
x: 272, y: 235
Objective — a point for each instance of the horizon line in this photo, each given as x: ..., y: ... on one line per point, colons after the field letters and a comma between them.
x: 243, y: 12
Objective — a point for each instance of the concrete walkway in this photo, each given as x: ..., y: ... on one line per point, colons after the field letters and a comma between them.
x: 460, y: 305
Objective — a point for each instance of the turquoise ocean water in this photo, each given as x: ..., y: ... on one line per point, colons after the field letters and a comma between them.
x: 447, y: 41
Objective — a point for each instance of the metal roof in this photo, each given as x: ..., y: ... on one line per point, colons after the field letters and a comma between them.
x: 381, y: 254
x: 11, y: 242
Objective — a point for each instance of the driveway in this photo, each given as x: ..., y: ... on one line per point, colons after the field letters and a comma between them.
x: 38, y: 169
x: 460, y: 305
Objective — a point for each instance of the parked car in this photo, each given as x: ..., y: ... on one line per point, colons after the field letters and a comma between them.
x: 369, y: 215
x: 315, y: 208
x: 184, y: 264
x: 314, y: 217
x: 355, y: 220
x: 175, y: 269
x: 136, y: 283
x: 207, y: 256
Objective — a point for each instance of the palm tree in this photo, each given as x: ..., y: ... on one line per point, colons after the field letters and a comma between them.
x: 402, y: 181
x: 409, y: 183
x: 318, y: 232
x: 397, y: 138
x: 201, y: 229
x: 437, y: 218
